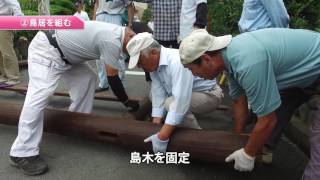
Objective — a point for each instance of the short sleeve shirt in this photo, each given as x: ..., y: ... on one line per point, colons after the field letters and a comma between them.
x: 262, y: 62
x: 98, y: 40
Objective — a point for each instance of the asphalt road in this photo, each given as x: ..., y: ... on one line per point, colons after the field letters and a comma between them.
x: 74, y: 158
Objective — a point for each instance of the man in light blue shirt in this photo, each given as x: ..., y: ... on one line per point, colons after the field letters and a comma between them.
x: 174, y: 88
x: 259, y: 65
x: 259, y: 14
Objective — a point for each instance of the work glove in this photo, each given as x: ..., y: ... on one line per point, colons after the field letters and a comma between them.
x: 157, y: 144
x: 242, y: 161
x: 132, y: 106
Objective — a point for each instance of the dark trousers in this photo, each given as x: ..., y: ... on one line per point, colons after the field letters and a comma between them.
x: 291, y: 100
x: 169, y: 44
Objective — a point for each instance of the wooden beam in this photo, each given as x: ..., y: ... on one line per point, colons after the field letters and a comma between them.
x: 205, y: 145
x: 104, y: 97
x: 141, y: 114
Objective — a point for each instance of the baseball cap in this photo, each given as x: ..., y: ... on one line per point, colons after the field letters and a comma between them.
x: 139, y: 42
x: 198, y: 42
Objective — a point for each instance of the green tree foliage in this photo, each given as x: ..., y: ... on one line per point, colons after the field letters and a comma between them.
x: 62, y: 7
x: 57, y: 7
x: 304, y: 14
x: 147, y: 15
x: 29, y: 7
x: 66, y: 7
x: 224, y: 16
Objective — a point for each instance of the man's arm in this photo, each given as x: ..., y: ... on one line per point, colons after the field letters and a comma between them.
x: 118, y: 89
x: 240, y: 111
x: 95, y: 7
x: 131, y: 10
x: 244, y: 158
x: 260, y: 134
x: 182, y: 85
x: 116, y: 84
x: 158, y: 95
x: 166, y: 131
x: 201, y: 14
x: 277, y: 12
x: 110, y: 52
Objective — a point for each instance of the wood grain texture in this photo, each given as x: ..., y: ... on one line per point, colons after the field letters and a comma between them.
x: 205, y: 145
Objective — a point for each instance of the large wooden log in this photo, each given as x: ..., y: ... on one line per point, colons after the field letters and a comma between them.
x: 211, y: 146
x: 141, y: 114
x: 104, y: 97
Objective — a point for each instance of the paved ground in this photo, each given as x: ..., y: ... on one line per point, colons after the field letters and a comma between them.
x: 72, y: 158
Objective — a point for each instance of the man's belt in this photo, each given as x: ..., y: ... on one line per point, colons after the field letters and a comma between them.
x: 52, y: 40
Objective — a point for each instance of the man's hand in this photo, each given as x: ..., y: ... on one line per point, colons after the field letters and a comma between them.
x: 242, y: 161
x: 157, y: 144
x: 157, y: 120
x: 133, y: 106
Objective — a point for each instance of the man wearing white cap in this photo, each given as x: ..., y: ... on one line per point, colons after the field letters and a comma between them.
x: 62, y: 54
x: 174, y: 88
x: 259, y: 65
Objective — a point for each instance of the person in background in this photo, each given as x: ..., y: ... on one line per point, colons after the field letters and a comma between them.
x: 9, y: 67
x: 80, y: 12
x: 193, y: 16
x: 111, y: 11
x: 259, y: 14
x: 166, y: 17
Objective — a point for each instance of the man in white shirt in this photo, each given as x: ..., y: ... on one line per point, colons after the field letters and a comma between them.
x: 193, y: 16
x: 63, y: 54
x: 8, y: 60
x: 174, y: 89
x: 80, y: 12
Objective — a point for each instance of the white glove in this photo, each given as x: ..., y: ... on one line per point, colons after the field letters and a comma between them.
x: 157, y: 144
x: 242, y: 161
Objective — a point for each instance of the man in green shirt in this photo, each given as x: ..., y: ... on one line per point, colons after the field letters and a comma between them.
x: 260, y: 64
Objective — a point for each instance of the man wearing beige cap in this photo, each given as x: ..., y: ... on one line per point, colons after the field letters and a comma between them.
x: 259, y: 65
x: 63, y: 54
x: 174, y: 89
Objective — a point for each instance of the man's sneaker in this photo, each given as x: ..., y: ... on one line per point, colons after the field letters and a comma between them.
x: 33, y: 165
x: 267, y: 155
x: 99, y: 89
x: 12, y: 82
